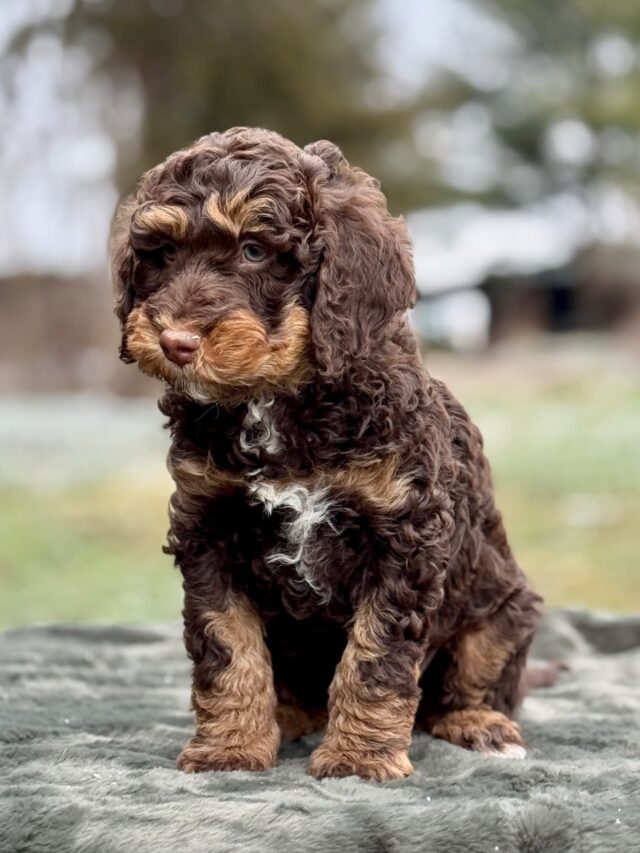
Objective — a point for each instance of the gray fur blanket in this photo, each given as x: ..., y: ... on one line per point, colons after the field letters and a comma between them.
x: 91, y: 720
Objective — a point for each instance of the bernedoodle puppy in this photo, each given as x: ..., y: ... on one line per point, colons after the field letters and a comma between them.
x: 344, y: 562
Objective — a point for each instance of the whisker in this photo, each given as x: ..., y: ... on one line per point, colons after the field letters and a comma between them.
x: 207, y: 410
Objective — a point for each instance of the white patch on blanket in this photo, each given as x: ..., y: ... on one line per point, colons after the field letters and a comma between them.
x: 310, y: 507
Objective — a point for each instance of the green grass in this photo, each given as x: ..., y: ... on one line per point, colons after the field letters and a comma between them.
x: 86, y: 554
x: 566, y: 463
x: 565, y: 451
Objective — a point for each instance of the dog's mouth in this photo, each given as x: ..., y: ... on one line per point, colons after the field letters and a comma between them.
x: 234, y: 360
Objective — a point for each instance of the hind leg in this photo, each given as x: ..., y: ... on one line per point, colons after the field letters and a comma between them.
x: 481, y: 677
x: 304, y: 654
x: 295, y: 721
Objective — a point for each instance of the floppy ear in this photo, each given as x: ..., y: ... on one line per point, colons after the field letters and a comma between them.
x: 122, y: 268
x: 366, y: 275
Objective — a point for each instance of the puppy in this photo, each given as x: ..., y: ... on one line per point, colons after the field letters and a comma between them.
x: 345, y: 566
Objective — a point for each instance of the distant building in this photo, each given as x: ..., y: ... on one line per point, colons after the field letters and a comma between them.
x: 485, y: 275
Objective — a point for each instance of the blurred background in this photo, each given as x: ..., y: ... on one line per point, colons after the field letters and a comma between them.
x: 508, y: 134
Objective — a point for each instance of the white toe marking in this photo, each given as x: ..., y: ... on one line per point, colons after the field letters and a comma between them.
x: 508, y: 750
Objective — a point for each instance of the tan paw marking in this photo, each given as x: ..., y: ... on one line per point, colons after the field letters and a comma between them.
x: 200, y: 757
x: 373, y: 766
x: 481, y: 730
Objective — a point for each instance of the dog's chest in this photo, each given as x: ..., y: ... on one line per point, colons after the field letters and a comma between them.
x: 304, y: 507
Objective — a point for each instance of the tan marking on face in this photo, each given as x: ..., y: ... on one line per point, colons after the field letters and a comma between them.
x: 239, y: 351
x: 235, y: 720
x: 369, y: 730
x: 237, y: 213
x: 237, y: 355
x: 143, y: 342
x: 163, y: 218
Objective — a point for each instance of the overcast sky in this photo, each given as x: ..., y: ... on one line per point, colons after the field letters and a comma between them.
x: 56, y: 162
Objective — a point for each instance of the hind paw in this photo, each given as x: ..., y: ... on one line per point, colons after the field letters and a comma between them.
x: 481, y: 730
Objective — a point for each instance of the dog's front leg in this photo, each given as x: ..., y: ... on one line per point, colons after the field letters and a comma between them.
x: 233, y: 694
x: 374, y: 695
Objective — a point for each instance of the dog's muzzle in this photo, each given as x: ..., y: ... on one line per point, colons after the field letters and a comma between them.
x: 180, y: 347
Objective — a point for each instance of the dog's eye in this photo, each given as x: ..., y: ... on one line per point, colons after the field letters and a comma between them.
x: 158, y: 256
x: 254, y: 252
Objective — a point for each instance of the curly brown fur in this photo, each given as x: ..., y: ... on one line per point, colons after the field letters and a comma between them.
x: 370, y: 720
x: 333, y: 517
x: 235, y: 723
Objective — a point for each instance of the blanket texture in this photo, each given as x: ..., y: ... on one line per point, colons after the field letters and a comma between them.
x: 91, y: 721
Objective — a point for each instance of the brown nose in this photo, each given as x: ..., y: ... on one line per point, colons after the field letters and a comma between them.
x: 179, y: 347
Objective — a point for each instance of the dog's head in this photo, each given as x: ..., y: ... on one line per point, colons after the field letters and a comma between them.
x: 244, y: 265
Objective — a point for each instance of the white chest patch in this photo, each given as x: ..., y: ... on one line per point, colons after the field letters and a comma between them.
x: 259, y: 432
x: 310, y: 507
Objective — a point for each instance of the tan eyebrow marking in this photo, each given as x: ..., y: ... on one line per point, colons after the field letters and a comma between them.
x: 238, y: 213
x: 165, y: 218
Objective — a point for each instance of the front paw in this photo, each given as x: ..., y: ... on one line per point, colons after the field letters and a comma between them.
x: 200, y: 755
x: 373, y: 765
